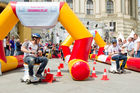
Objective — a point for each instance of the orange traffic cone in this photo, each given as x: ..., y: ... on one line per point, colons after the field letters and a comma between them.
x: 48, y: 78
x: 94, y: 62
x: 48, y: 70
x: 59, y: 72
x: 93, y: 73
x: 105, y: 75
x: 61, y: 65
x: 45, y: 72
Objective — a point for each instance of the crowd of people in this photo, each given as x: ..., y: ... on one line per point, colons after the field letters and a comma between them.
x: 120, y: 49
x: 13, y: 47
x: 130, y: 47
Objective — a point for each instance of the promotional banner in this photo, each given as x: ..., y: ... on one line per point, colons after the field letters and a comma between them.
x: 38, y: 15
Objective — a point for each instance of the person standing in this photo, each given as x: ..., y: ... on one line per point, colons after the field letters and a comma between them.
x: 18, y: 47
x: 4, y: 44
x: 120, y: 43
x: 106, y: 48
x: 124, y: 47
x: 136, y: 46
x: 130, y: 47
x: 8, y: 48
x: 60, y: 49
x: 12, y: 43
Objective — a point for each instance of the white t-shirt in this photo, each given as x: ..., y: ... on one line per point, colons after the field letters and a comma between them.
x: 30, y: 47
x: 124, y: 50
x: 106, y: 48
x: 130, y: 46
x: 113, y: 49
x: 4, y: 42
x: 135, y: 44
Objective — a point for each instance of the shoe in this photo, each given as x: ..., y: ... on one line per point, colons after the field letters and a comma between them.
x: 123, y: 71
x: 118, y: 71
x: 39, y: 76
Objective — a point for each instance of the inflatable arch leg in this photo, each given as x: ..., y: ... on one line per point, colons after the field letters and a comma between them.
x: 65, y: 47
x: 78, y: 66
x: 7, y: 21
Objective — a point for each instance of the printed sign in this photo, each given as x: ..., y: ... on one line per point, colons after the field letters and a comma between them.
x: 38, y: 14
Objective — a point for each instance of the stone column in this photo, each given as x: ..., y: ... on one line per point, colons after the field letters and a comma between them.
x: 133, y: 8
x: 136, y: 9
x: 118, y: 6
x: 127, y: 7
x: 103, y: 7
x: 97, y: 4
x: 82, y: 6
x: 76, y: 6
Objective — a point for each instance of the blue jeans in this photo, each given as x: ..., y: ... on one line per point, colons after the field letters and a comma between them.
x: 31, y: 60
x: 119, y: 57
x: 12, y: 51
x: 19, y: 53
x: 106, y: 53
x: 7, y: 52
x: 137, y: 55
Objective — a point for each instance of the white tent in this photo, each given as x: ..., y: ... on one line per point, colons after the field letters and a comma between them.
x: 120, y: 36
x: 131, y: 34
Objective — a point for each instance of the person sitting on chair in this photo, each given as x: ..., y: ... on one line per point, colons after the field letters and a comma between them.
x: 115, y: 52
x: 31, y: 57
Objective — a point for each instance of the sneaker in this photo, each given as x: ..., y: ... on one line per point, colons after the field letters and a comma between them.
x: 39, y: 76
x: 123, y: 71
x: 118, y: 71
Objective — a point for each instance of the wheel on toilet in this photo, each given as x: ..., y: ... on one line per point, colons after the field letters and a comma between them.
x: 27, y: 78
x: 113, y: 67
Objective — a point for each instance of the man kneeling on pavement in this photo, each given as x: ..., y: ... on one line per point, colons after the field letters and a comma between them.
x: 116, y: 54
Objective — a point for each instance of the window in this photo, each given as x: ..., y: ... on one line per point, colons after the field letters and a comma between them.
x: 89, y: 7
x: 112, y: 26
x: 138, y: 11
x: 48, y: 0
x: 70, y: 3
x: 110, y: 7
x: 26, y: 0
x: 131, y: 8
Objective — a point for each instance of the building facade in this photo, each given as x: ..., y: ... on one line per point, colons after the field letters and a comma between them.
x: 113, y: 16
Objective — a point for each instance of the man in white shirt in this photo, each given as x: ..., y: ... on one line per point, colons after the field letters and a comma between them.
x: 4, y: 44
x: 30, y: 49
x: 115, y: 53
x: 130, y: 47
x: 136, y: 46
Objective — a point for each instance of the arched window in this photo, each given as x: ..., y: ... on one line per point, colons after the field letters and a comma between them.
x: 110, y: 7
x: 70, y: 3
x: 89, y: 7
